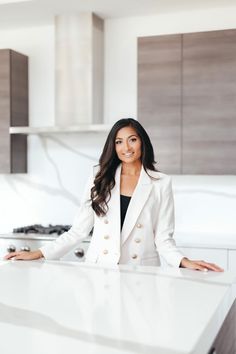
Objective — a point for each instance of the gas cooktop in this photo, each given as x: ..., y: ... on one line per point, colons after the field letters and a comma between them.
x: 43, y: 230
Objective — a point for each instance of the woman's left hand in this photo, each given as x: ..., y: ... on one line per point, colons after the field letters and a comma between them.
x: 199, y: 265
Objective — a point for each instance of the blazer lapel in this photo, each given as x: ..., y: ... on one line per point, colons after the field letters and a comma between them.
x: 137, y: 202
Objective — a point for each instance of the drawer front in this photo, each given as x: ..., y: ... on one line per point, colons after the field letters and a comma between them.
x: 217, y: 256
x: 232, y: 260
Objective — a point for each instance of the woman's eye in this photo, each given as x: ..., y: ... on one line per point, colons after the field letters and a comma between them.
x: 133, y: 140
x: 118, y: 142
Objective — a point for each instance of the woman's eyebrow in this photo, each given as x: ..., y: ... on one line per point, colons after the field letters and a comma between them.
x: 127, y: 137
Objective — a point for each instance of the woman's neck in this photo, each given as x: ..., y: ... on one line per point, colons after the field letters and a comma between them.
x: 132, y: 169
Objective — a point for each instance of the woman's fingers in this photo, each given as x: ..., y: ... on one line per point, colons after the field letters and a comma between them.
x: 11, y: 255
x: 210, y: 266
x: 16, y: 255
x: 23, y: 255
x: 195, y: 265
x: 200, y: 265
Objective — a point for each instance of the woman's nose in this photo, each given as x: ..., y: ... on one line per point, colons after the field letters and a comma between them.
x: 126, y: 145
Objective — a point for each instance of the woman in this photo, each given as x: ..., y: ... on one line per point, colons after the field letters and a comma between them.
x: 130, y: 206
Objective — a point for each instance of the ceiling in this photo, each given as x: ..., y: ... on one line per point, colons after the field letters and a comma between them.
x: 39, y: 12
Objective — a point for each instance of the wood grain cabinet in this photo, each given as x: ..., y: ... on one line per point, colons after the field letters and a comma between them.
x: 159, y: 97
x: 13, y: 110
x: 209, y: 104
x: 186, y: 99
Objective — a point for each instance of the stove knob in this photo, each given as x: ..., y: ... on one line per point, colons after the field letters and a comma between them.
x: 11, y: 248
x: 25, y: 248
x: 79, y: 252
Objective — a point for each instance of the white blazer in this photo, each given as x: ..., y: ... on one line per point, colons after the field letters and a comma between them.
x: 147, y: 230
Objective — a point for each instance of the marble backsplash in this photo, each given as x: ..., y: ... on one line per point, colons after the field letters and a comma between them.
x: 59, y: 165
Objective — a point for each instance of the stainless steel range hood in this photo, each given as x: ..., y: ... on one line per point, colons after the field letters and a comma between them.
x: 79, y: 76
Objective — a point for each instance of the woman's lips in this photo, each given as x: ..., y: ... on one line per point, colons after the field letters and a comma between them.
x: 128, y: 154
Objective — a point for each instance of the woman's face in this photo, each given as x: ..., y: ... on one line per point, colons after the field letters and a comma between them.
x: 128, y: 145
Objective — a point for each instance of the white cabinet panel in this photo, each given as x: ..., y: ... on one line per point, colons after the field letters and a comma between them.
x: 232, y: 260
x: 217, y: 256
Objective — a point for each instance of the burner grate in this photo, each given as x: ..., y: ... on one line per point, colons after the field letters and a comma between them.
x: 40, y: 229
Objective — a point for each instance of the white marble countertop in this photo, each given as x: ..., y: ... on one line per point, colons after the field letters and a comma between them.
x: 65, y: 307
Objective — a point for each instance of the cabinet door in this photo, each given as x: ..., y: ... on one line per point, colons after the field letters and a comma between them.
x: 209, y: 105
x: 5, y: 111
x: 13, y: 110
x: 159, y: 97
x: 232, y: 260
x: 217, y: 256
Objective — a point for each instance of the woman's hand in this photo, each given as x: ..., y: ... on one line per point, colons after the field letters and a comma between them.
x: 23, y: 255
x: 199, y: 265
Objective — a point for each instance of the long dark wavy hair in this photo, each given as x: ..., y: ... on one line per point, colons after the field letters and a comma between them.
x: 105, y: 178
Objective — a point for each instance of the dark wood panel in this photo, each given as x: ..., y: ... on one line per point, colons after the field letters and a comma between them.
x: 4, y: 111
x: 18, y: 153
x: 209, y: 105
x: 13, y: 110
x: 159, y: 97
x: 19, y: 89
x: 225, y: 342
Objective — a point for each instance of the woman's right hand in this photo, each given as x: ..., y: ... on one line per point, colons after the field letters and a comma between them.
x: 23, y: 255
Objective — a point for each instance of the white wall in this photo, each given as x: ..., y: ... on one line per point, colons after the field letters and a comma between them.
x: 59, y: 164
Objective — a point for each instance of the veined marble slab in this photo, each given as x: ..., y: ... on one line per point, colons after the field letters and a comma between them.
x: 65, y: 307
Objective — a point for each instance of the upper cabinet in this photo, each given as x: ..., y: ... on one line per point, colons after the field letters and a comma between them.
x: 13, y: 110
x: 186, y: 98
x: 209, y: 104
x: 159, y: 97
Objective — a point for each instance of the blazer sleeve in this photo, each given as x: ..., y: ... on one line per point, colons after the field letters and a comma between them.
x: 81, y: 227
x: 164, y: 240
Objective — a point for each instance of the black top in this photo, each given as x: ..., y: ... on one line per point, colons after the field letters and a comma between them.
x: 124, y: 203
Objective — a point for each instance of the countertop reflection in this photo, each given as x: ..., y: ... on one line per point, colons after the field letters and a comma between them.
x: 61, y: 307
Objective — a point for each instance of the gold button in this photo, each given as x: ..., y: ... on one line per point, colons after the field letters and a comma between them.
x: 139, y: 226
x: 137, y: 240
x: 105, y: 251
x: 106, y: 237
x: 134, y: 256
x: 105, y: 221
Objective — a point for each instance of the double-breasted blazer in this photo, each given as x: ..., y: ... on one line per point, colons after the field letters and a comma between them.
x: 147, y: 232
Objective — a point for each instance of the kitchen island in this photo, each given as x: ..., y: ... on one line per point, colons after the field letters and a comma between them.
x: 66, y: 307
